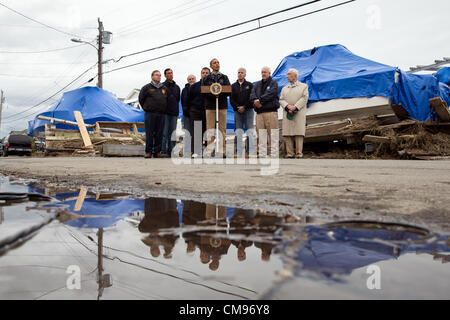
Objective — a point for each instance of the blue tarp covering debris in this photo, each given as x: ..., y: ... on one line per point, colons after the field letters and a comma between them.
x: 334, y: 251
x: 100, y: 213
x: 334, y: 72
x: 413, y: 92
x: 95, y: 104
x: 331, y: 72
x: 443, y: 75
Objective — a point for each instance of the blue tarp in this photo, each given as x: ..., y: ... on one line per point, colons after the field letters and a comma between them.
x: 95, y: 104
x: 334, y: 72
x: 413, y: 92
x: 101, y: 213
x: 350, y: 249
x: 443, y: 75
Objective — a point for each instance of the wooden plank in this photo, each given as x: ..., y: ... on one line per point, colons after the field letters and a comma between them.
x: 82, y: 127
x: 126, y: 131
x: 57, y: 131
x: 135, y: 137
x: 387, y: 119
x: 46, y: 129
x: 325, y: 130
x: 116, y: 124
x: 110, y: 196
x: 407, y: 137
x: 80, y: 200
x: 118, y: 150
x: 64, y: 121
x: 441, y: 108
x: 401, y: 124
x: 376, y: 139
x: 400, y: 112
x: 98, y: 130
x: 112, y: 130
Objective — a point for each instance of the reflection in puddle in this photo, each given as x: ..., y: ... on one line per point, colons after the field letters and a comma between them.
x: 159, y: 248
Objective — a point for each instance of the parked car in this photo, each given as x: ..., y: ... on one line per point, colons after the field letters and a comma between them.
x: 17, y: 144
x: 39, y: 145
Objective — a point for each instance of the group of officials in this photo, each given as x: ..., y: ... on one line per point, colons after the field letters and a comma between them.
x: 160, y: 101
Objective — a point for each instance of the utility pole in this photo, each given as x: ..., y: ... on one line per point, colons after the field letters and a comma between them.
x: 2, y: 99
x: 100, y: 262
x: 100, y: 54
x: 104, y: 37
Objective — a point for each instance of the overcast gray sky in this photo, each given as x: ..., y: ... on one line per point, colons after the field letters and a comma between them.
x: 399, y: 33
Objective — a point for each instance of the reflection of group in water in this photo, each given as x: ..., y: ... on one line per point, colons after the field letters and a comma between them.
x: 161, y: 214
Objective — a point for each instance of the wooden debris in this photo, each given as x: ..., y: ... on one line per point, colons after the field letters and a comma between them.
x: 376, y: 139
x: 117, y: 150
x: 83, y: 130
x: 76, y: 143
x: 407, y: 137
x: 52, y: 120
x: 440, y: 107
x: 80, y: 200
x: 357, y: 113
x: 400, y: 112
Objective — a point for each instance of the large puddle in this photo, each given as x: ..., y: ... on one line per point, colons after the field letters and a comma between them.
x: 77, y: 244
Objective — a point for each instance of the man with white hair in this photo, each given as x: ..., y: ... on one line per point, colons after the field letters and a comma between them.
x: 264, y: 97
x: 243, y: 109
x: 191, y: 79
x: 293, y: 100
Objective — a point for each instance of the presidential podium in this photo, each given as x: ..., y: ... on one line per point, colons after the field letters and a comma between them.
x: 216, y: 89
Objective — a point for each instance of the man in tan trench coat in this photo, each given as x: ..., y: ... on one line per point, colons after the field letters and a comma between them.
x: 293, y: 100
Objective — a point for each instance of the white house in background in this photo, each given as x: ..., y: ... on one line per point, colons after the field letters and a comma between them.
x: 132, y: 99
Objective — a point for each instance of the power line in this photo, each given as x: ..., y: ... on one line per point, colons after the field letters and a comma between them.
x: 39, y: 110
x: 33, y: 77
x: 224, y: 38
x: 45, y: 100
x: 39, y: 93
x: 177, y: 14
x: 129, y: 26
x: 46, y: 62
x: 220, y: 29
x: 38, y: 22
x: 43, y: 51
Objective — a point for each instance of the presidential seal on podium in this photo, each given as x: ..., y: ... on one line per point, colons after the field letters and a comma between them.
x: 216, y: 89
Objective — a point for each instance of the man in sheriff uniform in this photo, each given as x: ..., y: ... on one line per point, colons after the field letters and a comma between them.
x: 153, y: 99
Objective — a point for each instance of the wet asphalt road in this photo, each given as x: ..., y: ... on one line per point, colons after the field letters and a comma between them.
x: 389, y: 190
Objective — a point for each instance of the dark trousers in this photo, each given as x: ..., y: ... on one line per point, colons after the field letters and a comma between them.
x: 197, y: 115
x: 170, y: 125
x: 154, y: 125
x: 240, y: 120
x: 187, y: 127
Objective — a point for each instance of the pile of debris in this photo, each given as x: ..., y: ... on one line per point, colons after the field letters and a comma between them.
x: 387, y: 136
x: 105, y: 138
